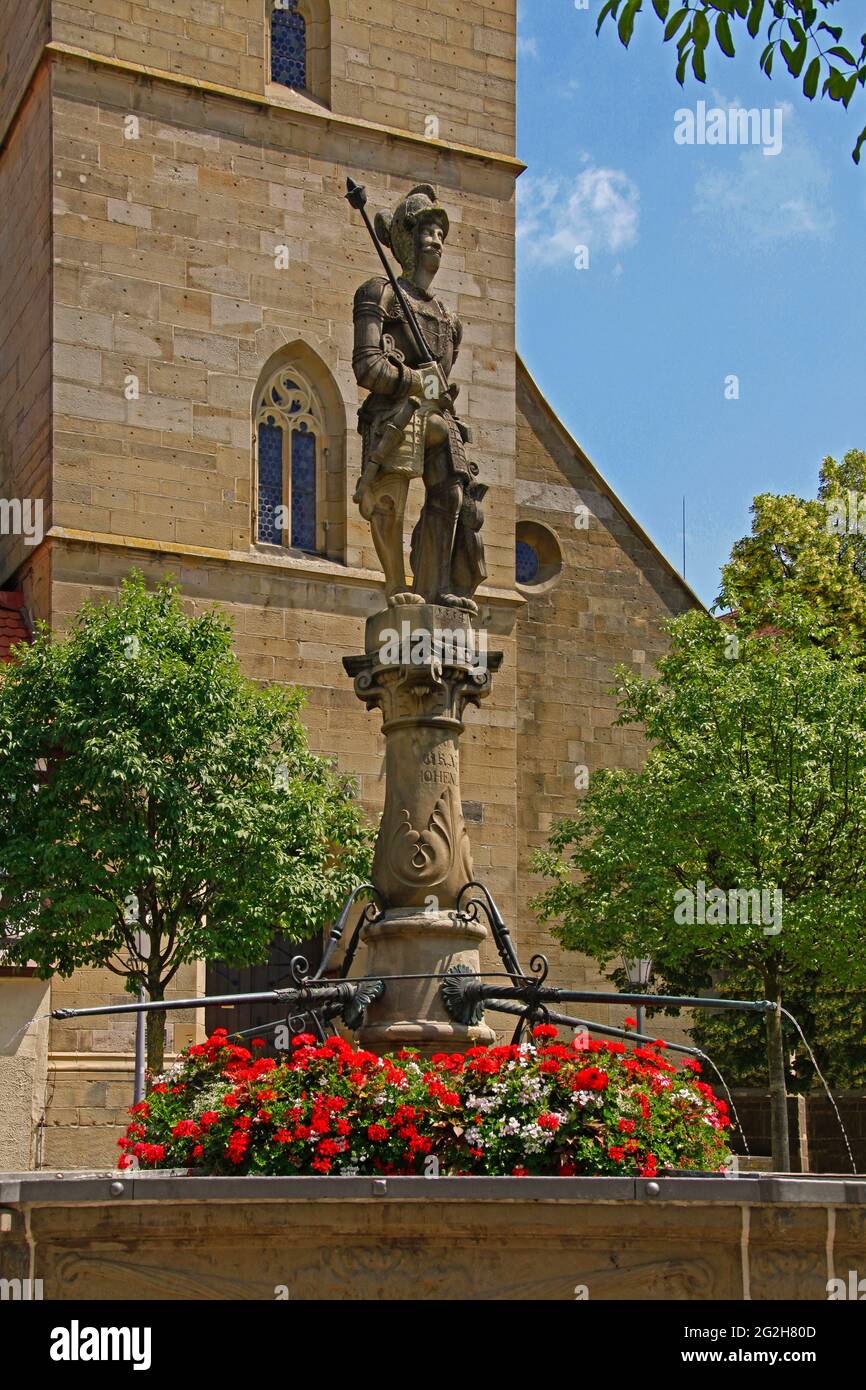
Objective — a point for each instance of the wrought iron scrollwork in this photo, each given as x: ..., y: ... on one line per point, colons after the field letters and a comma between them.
x: 355, y: 1008
x: 458, y: 1004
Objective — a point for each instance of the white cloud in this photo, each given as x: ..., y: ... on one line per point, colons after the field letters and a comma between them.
x: 527, y: 47
x: 598, y: 208
x: 762, y: 200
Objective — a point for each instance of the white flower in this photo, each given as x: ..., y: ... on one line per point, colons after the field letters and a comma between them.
x: 484, y: 1104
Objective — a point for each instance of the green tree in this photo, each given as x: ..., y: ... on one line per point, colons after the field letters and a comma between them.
x: 156, y: 807
x: 755, y: 781
x: 807, y: 551
x: 833, y: 1020
x: 814, y: 52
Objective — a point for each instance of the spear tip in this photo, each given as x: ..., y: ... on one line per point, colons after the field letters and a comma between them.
x: 356, y: 194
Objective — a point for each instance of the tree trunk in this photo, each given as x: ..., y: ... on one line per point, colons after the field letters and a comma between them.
x: 776, y: 1071
x: 155, y: 1032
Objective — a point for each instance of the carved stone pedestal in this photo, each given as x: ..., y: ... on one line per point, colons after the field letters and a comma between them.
x: 423, y: 664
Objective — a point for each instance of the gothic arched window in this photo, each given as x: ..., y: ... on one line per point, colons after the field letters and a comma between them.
x: 288, y: 45
x: 290, y: 432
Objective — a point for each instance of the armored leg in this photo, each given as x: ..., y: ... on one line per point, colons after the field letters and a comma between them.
x: 385, y: 507
x: 433, y: 538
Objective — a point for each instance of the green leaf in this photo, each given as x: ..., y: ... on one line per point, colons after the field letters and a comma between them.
x: 861, y: 140
x: 701, y: 30
x: 625, y: 27
x: 794, y: 57
x: 661, y: 8
x: 674, y: 23
x: 756, y: 14
x: 810, y: 81
x: 835, y: 85
x: 844, y: 54
x: 723, y: 35
x: 609, y: 7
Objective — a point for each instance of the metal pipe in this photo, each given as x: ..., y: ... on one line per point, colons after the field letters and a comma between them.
x: 566, y: 1019
x: 139, y: 1083
x: 290, y: 997
x: 589, y: 996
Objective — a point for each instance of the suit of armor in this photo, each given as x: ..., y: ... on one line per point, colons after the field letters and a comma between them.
x: 409, y: 427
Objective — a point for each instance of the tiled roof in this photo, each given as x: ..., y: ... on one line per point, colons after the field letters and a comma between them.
x: 13, y: 627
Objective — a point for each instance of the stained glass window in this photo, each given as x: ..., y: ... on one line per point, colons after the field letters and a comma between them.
x: 303, y: 488
x: 270, y: 481
x: 290, y: 429
x: 288, y: 45
x: 526, y: 563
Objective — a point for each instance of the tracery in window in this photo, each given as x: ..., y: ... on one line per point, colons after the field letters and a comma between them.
x: 290, y: 432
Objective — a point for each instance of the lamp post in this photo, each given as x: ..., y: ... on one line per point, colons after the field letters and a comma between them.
x: 639, y: 972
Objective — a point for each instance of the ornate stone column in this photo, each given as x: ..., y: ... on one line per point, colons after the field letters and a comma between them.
x: 423, y: 664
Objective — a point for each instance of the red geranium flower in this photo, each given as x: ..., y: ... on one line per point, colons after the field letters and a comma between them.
x: 590, y: 1079
x: 544, y: 1030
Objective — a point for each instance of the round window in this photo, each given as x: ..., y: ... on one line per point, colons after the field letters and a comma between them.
x: 526, y: 563
x: 537, y: 556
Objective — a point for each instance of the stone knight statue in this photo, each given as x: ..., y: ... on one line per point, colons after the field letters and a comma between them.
x: 406, y: 344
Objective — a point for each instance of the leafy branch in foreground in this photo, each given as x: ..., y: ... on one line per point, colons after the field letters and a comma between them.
x: 809, y: 47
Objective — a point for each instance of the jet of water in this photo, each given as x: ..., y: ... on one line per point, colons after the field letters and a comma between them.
x: 830, y: 1095
x: 730, y: 1099
x: 19, y: 1032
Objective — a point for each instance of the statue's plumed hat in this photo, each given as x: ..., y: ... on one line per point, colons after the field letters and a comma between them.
x: 397, y: 230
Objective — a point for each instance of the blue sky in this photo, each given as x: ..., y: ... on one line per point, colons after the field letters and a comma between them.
x: 705, y: 262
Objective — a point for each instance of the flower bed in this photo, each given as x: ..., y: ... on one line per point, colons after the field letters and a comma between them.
x: 541, y: 1108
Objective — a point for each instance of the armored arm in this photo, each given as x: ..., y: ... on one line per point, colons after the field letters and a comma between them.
x: 375, y: 368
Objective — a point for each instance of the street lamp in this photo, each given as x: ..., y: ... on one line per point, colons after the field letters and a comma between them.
x: 639, y: 972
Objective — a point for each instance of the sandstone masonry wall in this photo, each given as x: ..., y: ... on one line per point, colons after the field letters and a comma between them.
x: 25, y: 299
x: 392, y: 62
